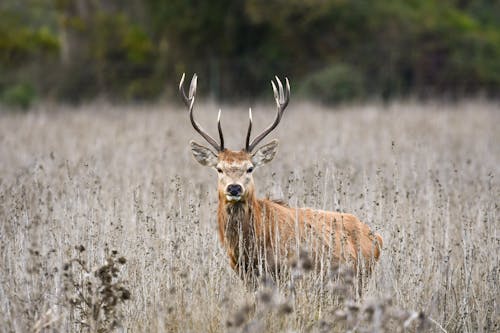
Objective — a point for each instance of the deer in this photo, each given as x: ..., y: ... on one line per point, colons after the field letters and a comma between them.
x: 262, y: 236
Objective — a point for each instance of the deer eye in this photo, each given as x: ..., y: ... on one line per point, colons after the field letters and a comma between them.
x: 219, y: 170
x: 249, y: 170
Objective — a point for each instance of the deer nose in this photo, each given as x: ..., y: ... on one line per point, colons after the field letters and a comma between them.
x: 234, y: 189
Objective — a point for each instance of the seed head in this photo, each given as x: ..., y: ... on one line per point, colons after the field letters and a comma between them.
x: 122, y: 260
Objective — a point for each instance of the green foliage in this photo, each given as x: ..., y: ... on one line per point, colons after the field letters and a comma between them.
x: 21, y: 95
x: 117, y: 55
x: 20, y: 44
x: 79, y: 50
x: 336, y: 83
x: 23, y: 49
x: 121, y: 53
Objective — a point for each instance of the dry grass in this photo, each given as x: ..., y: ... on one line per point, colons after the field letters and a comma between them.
x: 114, y: 178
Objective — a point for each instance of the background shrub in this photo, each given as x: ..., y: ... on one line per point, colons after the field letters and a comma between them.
x: 336, y: 83
x: 20, y: 95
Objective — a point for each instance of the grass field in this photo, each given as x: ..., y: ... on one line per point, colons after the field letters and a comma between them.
x: 77, y: 185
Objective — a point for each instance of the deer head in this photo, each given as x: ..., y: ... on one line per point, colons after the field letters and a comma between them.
x: 235, y: 168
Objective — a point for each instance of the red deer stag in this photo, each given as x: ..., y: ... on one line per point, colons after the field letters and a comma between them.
x: 261, y: 235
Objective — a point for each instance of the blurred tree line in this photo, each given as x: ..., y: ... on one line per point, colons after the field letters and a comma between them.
x: 333, y: 50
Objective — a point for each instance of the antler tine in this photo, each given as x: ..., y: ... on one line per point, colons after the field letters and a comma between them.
x: 185, y: 99
x: 219, y: 127
x: 282, y: 98
x: 247, y: 142
x: 189, y: 102
x: 281, y: 89
x: 192, y: 89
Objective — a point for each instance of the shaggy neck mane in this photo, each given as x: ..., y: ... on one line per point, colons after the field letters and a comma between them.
x: 239, y: 225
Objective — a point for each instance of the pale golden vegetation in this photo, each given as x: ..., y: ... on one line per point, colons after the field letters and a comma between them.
x: 122, y: 178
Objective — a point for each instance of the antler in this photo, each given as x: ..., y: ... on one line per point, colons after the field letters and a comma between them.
x: 282, y: 98
x: 189, y: 102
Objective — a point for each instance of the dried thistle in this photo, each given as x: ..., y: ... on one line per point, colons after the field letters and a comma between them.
x: 95, y: 296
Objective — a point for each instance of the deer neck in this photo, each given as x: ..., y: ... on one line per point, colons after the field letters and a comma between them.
x: 238, y: 223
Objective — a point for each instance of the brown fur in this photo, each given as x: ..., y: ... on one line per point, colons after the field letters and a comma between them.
x: 231, y: 156
x: 262, y: 235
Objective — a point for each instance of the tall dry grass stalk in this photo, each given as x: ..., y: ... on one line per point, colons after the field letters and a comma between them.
x: 116, y: 178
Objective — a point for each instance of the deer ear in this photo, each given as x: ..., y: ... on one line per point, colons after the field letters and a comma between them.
x: 203, y: 155
x: 265, y: 154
